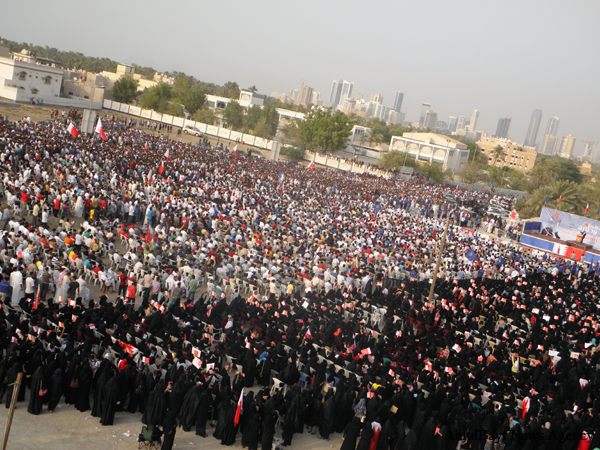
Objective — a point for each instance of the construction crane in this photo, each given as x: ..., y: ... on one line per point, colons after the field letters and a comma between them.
x: 303, y: 80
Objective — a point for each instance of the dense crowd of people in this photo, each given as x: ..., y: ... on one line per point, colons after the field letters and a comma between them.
x: 255, y: 297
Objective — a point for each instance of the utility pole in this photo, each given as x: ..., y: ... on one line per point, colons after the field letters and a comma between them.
x: 439, y: 256
x: 11, y: 411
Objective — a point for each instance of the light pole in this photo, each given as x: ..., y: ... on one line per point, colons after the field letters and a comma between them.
x: 439, y: 256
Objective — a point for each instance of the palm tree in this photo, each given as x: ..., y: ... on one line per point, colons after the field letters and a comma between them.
x: 567, y: 191
x: 498, y: 154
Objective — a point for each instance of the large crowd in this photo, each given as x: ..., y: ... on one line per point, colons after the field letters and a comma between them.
x: 239, y: 296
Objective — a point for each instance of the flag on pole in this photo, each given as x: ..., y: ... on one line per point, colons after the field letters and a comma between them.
x: 231, y: 168
x: 282, y: 183
x: 71, y: 129
x: 100, y: 130
x: 167, y: 156
x: 587, y: 208
x: 161, y: 169
x: 238, y: 411
x: 311, y: 166
x: 559, y: 199
x: 308, y: 334
x: 235, y: 150
x: 37, y: 299
x: 145, y: 146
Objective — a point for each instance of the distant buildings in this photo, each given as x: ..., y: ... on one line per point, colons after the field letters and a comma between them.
x: 305, y: 97
x: 552, y: 127
x: 474, y: 118
x: 503, y: 127
x: 462, y: 123
x: 452, y: 123
x: 431, y: 148
x: 517, y: 156
x: 565, y: 148
x: 398, y: 102
x: 340, y: 91
x: 424, y: 108
x: 549, y: 147
x: 25, y: 78
x: 430, y: 120
x: 532, y: 129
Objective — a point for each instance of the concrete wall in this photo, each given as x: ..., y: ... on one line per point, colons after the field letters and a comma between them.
x: 347, y: 165
x: 222, y: 133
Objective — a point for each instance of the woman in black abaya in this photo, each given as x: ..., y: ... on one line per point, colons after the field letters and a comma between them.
x: 202, y: 415
x: 351, y: 433
x: 82, y: 402
x: 169, y: 429
x: 109, y: 401
x: 268, y: 431
x: 55, y: 389
x: 231, y: 428
x: 12, y: 379
x: 223, y: 408
x: 36, y: 399
x: 251, y: 433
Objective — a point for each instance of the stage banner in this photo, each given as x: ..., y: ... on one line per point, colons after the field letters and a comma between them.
x: 569, y: 227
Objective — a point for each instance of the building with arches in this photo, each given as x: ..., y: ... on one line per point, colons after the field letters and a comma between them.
x: 429, y: 148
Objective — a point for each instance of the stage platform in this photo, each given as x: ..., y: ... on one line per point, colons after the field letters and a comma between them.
x: 566, y: 249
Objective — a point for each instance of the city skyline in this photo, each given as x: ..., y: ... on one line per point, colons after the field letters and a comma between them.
x: 506, y: 74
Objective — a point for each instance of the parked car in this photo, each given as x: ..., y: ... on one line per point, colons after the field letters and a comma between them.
x: 188, y: 129
x: 495, y: 211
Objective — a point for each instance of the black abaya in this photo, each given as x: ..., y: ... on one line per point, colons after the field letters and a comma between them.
x: 109, y: 402
x: 36, y: 400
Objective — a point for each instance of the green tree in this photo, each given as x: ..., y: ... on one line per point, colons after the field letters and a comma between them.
x: 252, y: 89
x: 471, y: 172
x: 157, y: 97
x: 125, y: 89
x: 498, y: 154
x: 436, y: 173
x: 234, y: 115
x: 204, y: 115
x: 252, y: 117
x: 326, y: 132
x: 193, y: 100
x: 231, y: 90
x: 394, y: 160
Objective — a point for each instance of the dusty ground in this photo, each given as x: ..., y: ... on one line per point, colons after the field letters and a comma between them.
x: 68, y: 429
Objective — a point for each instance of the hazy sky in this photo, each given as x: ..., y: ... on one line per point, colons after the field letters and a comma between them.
x: 504, y: 58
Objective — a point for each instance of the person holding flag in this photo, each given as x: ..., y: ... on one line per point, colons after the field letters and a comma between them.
x: 161, y: 169
x: 100, y: 130
x: 71, y: 129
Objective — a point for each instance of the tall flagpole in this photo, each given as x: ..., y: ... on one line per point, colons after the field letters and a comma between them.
x: 439, y: 256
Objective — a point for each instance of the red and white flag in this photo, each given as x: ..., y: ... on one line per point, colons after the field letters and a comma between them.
x: 559, y: 199
x: 37, y: 299
x: 308, y: 334
x: 161, y: 169
x: 167, y: 156
x: 238, y: 411
x: 587, y: 208
x: 525, y: 407
x: 71, y: 129
x: 235, y: 150
x: 100, y: 130
x: 311, y: 166
x: 145, y: 146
